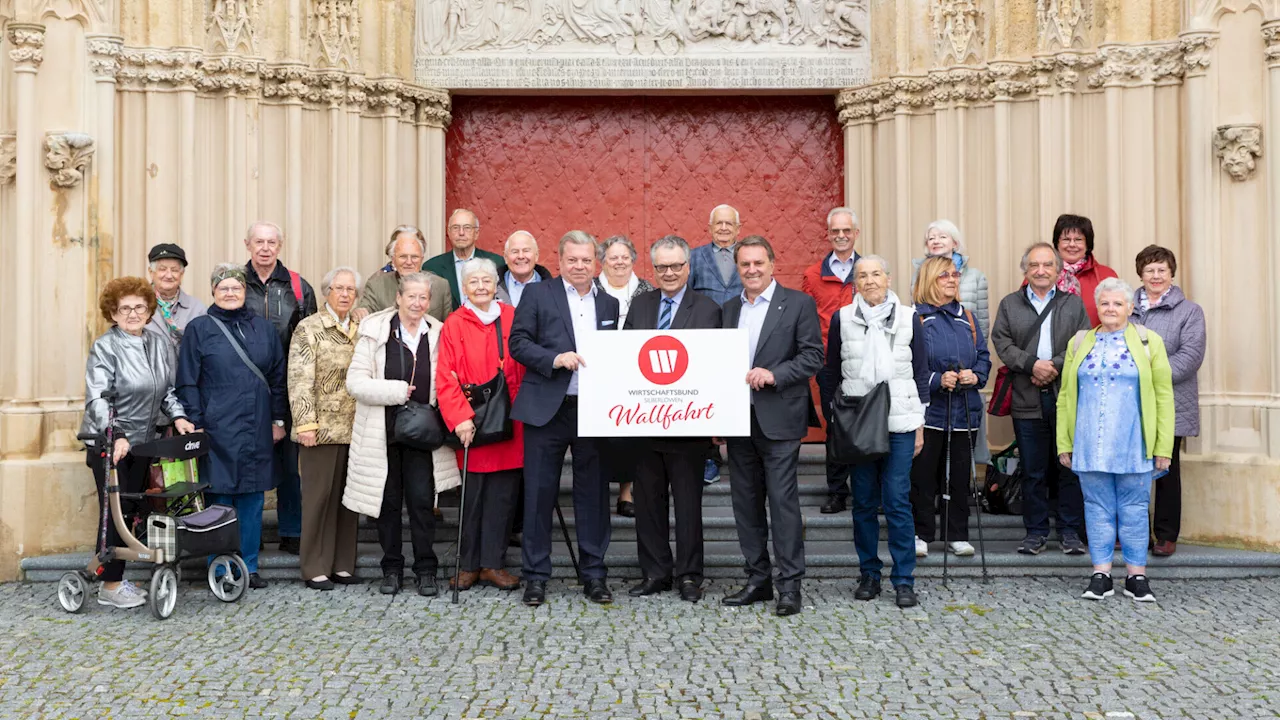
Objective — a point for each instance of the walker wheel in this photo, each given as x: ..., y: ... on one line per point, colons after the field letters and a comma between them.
x: 72, y: 590
x: 163, y: 597
x: 228, y: 578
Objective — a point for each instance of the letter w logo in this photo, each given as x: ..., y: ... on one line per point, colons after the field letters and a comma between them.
x: 663, y: 361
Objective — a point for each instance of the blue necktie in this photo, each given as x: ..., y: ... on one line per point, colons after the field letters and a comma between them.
x: 664, y: 317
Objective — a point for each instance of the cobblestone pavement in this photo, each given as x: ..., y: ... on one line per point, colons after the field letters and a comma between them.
x: 1021, y: 648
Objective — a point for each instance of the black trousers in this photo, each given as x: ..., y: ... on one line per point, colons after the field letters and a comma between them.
x: 1168, y: 505
x: 488, y: 509
x: 928, y: 477
x: 131, y: 474
x: 764, y: 471
x: 838, y: 480
x: 663, y: 477
x: 411, y: 481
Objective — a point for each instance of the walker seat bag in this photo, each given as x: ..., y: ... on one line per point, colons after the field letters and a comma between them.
x: 212, y: 531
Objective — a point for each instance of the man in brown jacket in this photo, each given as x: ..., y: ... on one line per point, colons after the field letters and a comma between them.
x: 406, y: 249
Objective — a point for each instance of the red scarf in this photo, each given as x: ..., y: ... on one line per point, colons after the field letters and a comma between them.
x: 1067, y: 280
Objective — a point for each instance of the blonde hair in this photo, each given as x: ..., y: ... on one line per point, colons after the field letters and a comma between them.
x: 926, y: 288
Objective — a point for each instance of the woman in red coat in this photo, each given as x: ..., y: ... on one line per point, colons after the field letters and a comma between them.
x: 468, y: 355
x: 1081, y: 271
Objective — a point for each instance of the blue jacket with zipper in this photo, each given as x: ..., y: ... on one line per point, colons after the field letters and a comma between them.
x: 949, y: 338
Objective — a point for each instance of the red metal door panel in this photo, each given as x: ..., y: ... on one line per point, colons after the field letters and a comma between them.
x: 646, y: 167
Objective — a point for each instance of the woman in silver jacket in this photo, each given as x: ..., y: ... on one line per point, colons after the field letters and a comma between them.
x: 138, y: 368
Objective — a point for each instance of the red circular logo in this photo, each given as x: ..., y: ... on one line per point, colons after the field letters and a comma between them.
x: 663, y: 360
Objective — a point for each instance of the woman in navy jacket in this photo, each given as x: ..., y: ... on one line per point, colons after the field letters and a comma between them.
x: 243, y: 411
x: 958, y: 367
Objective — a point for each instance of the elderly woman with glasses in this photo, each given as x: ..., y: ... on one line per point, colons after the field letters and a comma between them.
x: 138, y: 367
x: 1081, y: 271
x: 618, y: 278
x: 1115, y: 429
x: 231, y: 381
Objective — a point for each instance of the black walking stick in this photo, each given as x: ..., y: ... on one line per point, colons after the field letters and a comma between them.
x: 573, y: 557
x: 462, y: 508
x: 946, y: 492
x: 973, y: 482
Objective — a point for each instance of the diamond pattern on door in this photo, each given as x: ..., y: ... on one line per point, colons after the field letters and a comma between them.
x: 646, y: 167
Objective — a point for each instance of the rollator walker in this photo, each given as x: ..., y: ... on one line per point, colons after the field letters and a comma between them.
x: 184, y: 529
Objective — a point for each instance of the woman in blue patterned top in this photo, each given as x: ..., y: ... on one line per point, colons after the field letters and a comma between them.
x: 1115, y: 428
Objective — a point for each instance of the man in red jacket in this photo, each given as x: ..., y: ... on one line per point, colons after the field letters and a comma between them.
x: 830, y: 283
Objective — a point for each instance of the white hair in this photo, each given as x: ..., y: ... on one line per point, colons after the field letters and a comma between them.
x: 712, y: 218
x: 265, y: 224
x: 669, y: 241
x: 622, y: 240
x: 464, y: 210
x: 948, y: 227
x: 418, y: 278
x: 479, y: 265
x: 843, y: 211
x: 334, y: 273
x: 884, y: 264
x: 1113, y: 284
x: 403, y: 230
x: 506, y: 246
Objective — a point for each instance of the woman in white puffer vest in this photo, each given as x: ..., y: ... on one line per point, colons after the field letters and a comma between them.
x: 874, y: 340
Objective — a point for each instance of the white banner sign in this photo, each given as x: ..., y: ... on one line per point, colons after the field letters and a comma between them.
x: 655, y: 383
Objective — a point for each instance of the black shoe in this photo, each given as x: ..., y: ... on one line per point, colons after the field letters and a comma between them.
x: 1032, y: 545
x: 834, y: 504
x: 516, y: 540
x: 650, y: 586
x: 427, y: 586
x: 626, y: 508
x: 391, y: 583
x: 256, y: 582
x: 748, y: 595
x: 1138, y: 588
x: 1072, y: 544
x: 1100, y: 587
x: 325, y: 584
x: 348, y: 579
x: 906, y: 596
x: 788, y: 603
x: 868, y: 588
x: 597, y: 592
x: 690, y: 591
x: 535, y: 592
x: 291, y: 545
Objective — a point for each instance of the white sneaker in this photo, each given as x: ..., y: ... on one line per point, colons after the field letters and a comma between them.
x: 922, y: 547
x: 125, y: 596
x: 960, y: 548
x: 136, y: 590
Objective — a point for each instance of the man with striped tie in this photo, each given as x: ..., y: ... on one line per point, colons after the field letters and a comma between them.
x: 671, y: 462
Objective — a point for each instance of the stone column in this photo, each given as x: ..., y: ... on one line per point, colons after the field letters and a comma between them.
x: 1200, y: 267
x: 104, y: 63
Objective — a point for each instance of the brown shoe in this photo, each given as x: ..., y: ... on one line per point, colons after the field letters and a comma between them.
x: 464, y: 580
x: 500, y: 579
x: 1165, y: 548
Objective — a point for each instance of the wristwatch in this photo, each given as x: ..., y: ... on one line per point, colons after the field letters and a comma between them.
x: 278, y: 423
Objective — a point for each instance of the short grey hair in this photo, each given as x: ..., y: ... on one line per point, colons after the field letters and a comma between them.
x: 334, y: 273
x: 182, y: 267
x: 669, y: 241
x: 418, y: 278
x: 478, y: 265
x: 265, y: 224
x: 948, y: 227
x: 1026, y: 255
x: 712, y: 217
x: 1113, y: 284
x: 578, y: 237
x: 401, y: 230
x: 843, y: 211
x: 884, y: 264
x: 622, y: 240
x: 464, y: 210
x: 506, y: 246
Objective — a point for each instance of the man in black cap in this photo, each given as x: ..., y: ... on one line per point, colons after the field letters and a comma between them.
x: 167, y: 263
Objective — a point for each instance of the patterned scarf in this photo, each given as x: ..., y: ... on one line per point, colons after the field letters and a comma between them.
x: 166, y: 312
x: 1067, y: 280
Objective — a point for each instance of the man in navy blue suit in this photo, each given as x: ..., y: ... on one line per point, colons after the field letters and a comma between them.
x: 544, y: 336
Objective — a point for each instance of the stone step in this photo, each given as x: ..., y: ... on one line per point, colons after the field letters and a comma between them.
x: 824, y: 559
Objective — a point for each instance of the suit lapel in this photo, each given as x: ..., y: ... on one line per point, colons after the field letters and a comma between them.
x: 772, y: 316
x: 560, y: 297
x: 732, y: 313
x: 600, y: 312
x: 681, y: 320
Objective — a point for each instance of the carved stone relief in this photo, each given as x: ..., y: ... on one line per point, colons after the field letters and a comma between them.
x: 957, y: 31
x: 333, y: 30
x: 1131, y: 65
x: 67, y: 157
x: 1061, y: 23
x: 1238, y: 147
x: 95, y: 15
x: 104, y: 54
x: 8, y: 158
x: 28, y: 45
x: 231, y: 26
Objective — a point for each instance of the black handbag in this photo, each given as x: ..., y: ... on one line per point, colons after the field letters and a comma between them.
x: 417, y: 425
x: 859, y: 429
x: 491, y: 403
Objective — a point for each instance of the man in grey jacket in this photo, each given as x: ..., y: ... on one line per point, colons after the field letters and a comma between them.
x: 1030, y: 334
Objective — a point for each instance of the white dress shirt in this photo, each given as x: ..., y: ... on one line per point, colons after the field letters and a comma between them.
x: 582, y: 310
x: 515, y: 288
x: 457, y: 266
x: 841, y: 268
x: 1044, y: 350
x: 752, y: 317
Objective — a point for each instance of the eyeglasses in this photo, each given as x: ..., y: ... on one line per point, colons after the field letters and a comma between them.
x: 955, y: 274
x: 136, y: 310
x: 673, y: 267
x: 340, y: 290
x: 837, y: 232
x: 462, y: 228
x: 230, y: 290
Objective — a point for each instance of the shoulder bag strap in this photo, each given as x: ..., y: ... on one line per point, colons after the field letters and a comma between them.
x: 502, y: 359
x: 239, y: 350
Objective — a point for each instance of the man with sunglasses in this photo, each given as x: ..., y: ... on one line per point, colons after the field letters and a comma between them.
x: 671, y: 462
x: 463, y: 231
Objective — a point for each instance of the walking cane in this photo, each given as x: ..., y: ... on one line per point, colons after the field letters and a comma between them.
x: 462, y: 508
x: 946, y: 493
x: 973, y: 482
x: 569, y: 543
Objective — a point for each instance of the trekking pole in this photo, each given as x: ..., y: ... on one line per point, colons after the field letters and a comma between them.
x: 973, y: 483
x: 573, y: 557
x: 946, y: 492
x: 462, y: 508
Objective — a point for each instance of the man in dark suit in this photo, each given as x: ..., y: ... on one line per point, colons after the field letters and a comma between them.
x: 551, y: 316
x: 786, y: 351
x: 674, y: 462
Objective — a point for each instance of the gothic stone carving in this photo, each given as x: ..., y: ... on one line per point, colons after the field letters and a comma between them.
x: 28, y: 45
x: 8, y: 158
x: 1061, y: 23
x: 104, y: 54
x: 1132, y: 65
x: 334, y: 32
x: 231, y: 26
x: 1271, y: 35
x: 957, y: 31
x: 1238, y: 146
x: 67, y: 157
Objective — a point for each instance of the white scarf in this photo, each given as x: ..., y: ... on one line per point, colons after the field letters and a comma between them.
x: 877, y: 367
x: 488, y: 318
x: 344, y: 324
x: 623, y: 294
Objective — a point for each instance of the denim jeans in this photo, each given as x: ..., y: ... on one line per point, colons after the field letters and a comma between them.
x: 1037, y: 446
x: 288, y: 489
x: 249, y: 515
x: 886, y: 482
x: 1116, y: 504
